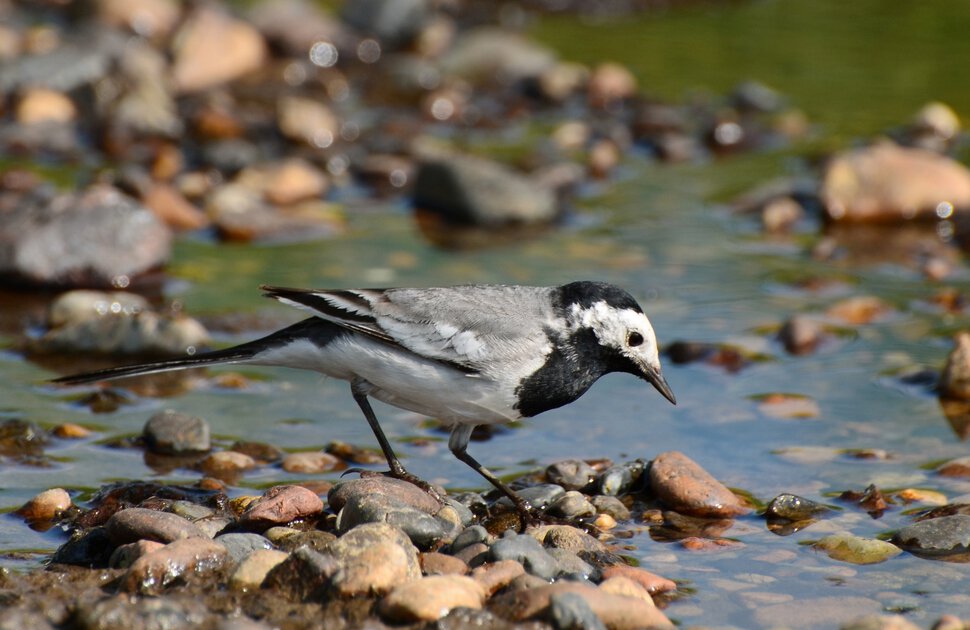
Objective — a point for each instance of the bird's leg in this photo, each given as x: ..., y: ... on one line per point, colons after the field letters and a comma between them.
x: 396, y: 468
x: 458, y: 444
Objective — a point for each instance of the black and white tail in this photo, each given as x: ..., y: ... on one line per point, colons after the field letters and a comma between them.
x: 312, y: 328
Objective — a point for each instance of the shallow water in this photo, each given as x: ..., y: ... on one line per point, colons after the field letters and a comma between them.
x: 701, y: 273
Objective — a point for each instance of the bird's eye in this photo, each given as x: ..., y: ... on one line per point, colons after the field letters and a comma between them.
x: 634, y: 339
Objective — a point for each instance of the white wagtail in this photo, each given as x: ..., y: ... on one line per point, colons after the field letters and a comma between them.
x: 466, y: 355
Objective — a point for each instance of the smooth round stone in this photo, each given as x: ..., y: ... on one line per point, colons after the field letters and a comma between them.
x: 125, y: 555
x: 423, y: 530
x: 573, y: 566
x: 290, y: 539
x: 620, y: 585
x: 681, y: 484
x: 606, y: 504
x: 793, y: 508
x: 255, y: 567
x: 171, y: 432
x: 567, y: 537
x: 538, y: 496
x: 374, y: 558
x: 571, y: 474
x: 134, y: 524
x: 434, y: 563
x: 430, y: 598
x: 71, y: 431
x: 650, y: 582
x: 181, y: 560
x: 621, y: 478
x: 571, y: 610
x: 46, y: 506
x: 280, y: 505
x: 573, y: 504
x: 310, y: 463
x: 526, y: 550
x: 241, y: 545
x: 857, y: 550
x: 142, y: 612
x: 223, y: 464
x: 615, y: 611
x: 470, y: 536
x: 379, y: 485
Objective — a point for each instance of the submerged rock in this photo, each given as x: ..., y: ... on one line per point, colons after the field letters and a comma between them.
x: 944, y: 538
x: 171, y: 432
x: 857, y: 550
x: 955, y: 380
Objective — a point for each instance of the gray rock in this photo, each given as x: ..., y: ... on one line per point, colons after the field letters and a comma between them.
x: 423, y: 529
x: 572, y: 566
x: 539, y: 496
x: 395, y: 22
x: 98, y: 237
x: 570, y: 611
x: 571, y: 474
x: 470, y: 536
x: 469, y: 190
x: 83, y: 60
x: 304, y: 574
x: 408, y: 493
x: 240, y: 545
x: 621, y: 478
x: 134, y: 524
x: 171, y: 432
x: 491, y: 55
x: 526, y: 550
x: 943, y: 536
x: 571, y: 505
x: 374, y: 558
x: 606, y: 504
x: 91, y: 548
x: 793, y: 508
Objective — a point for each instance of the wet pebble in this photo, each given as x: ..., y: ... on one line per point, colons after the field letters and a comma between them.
x: 684, y: 486
x: 959, y: 467
x: 430, y: 598
x: 539, y: 496
x: 620, y: 479
x: 90, y: 548
x: 46, y: 506
x: 571, y: 474
x: 281, y: 505
x: 303, y: 574
x: 374, y: 558
x: 227, y: 464
x: 423, y: 529
x: 121, y: 612
x: 567, y: 537
x: 570, y: 611
x: 800, y: 335
x: 474, y: 534
x: 606, y: 504
x: 313, y: 462
x: 572, y: 566
x: 857, y: 550
x: 71, y: 431
x: 937, y: 537
x: 620, y: 585
x: 125, y: 555
x: 386, y: 486
x: 253, y: 569
x: 241, y: 545
x: 793, y: 508
x: 182, y: 560
x: 651, y: 582
x: 526, y: 550
x: 172, y: 432
x: 134, y: 524
x: 290, y: 539
x: 572, y: 505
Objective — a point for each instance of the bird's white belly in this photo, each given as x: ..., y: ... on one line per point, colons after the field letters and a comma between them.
x: 403, y: 379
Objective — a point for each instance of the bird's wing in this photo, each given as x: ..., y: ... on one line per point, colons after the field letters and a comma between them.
x: 471, y: 326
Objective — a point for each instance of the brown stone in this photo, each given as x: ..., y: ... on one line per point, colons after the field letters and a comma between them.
x: 651, y: 582
x: 313, y: 462
x: 182, y: 560
x: 430, y: 598
x: 494, y: 576
x: 46, y: 506
x: 280, y: 505
x: 373, y: 559
x: 434, y: 563
x: 685, y: 487
x: 213, y: 48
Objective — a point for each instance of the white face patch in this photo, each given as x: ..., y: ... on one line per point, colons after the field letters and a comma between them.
x: 613, y: 327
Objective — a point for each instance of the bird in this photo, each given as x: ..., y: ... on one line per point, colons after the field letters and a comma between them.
x: 466, y: 355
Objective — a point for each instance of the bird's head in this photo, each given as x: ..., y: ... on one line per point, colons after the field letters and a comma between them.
x: 621, y: 330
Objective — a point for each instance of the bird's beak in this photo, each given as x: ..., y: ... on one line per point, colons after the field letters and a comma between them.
x: 656, y: 378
